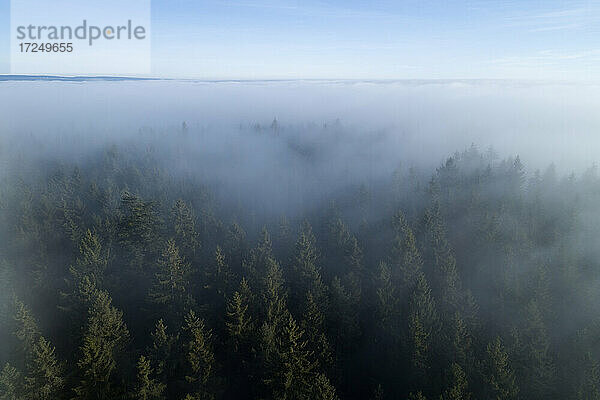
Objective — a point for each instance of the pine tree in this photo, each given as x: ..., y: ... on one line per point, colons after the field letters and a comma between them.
x: 532, y: 350
x: 313, y: 324
x: 323, y: 389
x: 343, y: 319
x: 460, y: 342
x: 147, y: 388
x: 26, y: 328
x: 105, y: 337
x: 200, y: 358
x: 446, y: 281
x: 296, y: 368
x: 92, y: 260
x: 86, y: 273
x: 405, y: 256
x: 186, y: 236
x: 458, y: 389
x: 161, y: 351
x: 11, y: 385
x: 239, y: 320
x: 138, y: 229
x: 274, y: 300
x: 171, y: 285
x: 255, y: 268
x: 386, y: 300
x: 218, y: 285
x: 241, y: 336
x: 293, y: 372
x: 422, y: 326
x: 499, y: 376
x: 306, y: 273
x: 44, y: 379
x: 387, y: 358
x: 235, y: 246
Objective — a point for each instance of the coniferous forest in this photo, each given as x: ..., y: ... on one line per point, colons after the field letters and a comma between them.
x: 123, y: 277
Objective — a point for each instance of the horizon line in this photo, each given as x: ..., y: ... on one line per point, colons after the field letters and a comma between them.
x: 58, y: 77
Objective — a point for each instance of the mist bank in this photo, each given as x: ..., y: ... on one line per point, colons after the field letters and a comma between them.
x: 420, y: 121
x: 359, y: 237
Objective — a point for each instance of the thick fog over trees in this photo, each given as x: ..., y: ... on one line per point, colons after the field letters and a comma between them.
x: 299, y: 240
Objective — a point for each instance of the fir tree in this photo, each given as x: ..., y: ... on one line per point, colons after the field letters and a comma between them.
x: 200, y: 358
x: 92, y: 260
x: 313, y: 324
x: 105, y: 337
x: 458, y: 389
x: 147, y: 388
x: 422, y: 326
x: 11, y: 385
x: 26, y: 328
x: 306, y: 273
x: 499, y: 376
x: 44, y: 379
x: 171, y: 285
x: 239, y: 321
x: 186, y: 236
x: 161, y: 351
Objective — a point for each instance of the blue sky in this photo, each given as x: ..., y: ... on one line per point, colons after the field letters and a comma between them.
x: 381, y: 39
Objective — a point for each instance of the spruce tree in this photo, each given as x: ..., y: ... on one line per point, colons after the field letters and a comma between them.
x: 422, y: 326
x: 44, y: 378
x: 306, y: 273
x: 241, y: 349
x: 323, y: 389
x: 313, y: 324
x: 161, y: 350
x: 200, y: 358
x: 458, y: 388
x: 186, y: 236
x: 106, y: 336
x: 405, y: 256
x: 11, y: 384
x: 238, y: 319
x: 92, y: 259
x: 499, y: 376
x: 26, y: 328
x: 147, y: 387
x: 171, y: 282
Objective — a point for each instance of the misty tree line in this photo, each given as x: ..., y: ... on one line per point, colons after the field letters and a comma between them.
x: 120, y: 281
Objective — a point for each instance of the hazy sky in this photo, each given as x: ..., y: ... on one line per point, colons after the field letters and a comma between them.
x: 248, y: 39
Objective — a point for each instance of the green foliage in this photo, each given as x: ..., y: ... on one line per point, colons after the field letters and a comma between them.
x: 407, y: 288
x: 458, y: 389
x: 200, y: 358
x: 184, y: 225
x: 422, y: 325
x: 306, y: 277
x: 239, y: 321
x: 171, y: 282
x: 499, y: 376
x: 105, y: 337
x: 162, y: 348
x: 26, y: 328
x: 147, y: 388
x: 44, y: 379
x: 92, y: 260
x: 11, y: 385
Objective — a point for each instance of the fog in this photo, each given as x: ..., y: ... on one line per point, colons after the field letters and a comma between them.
x: 328, y: 134
x: 542, y: 122
x: 481, y: 196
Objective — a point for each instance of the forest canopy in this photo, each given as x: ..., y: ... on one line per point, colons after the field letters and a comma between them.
x: 128, y: 274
